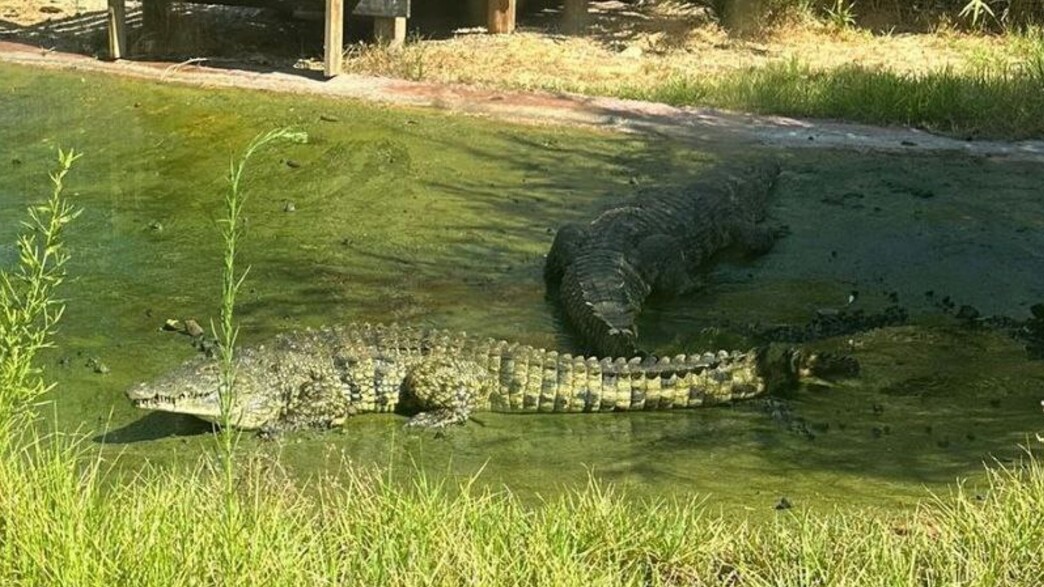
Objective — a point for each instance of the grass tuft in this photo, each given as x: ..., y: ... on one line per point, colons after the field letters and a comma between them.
x: 1006, y: 102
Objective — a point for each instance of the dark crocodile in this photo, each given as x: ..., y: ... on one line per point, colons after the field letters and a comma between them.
x: 318, y: 378
x: 655, y: 243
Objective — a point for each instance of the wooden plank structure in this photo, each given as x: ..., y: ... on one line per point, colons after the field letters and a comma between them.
x: 333, y: 48
x: 389, y: 25
x: 390, y: 31
x: 501, y: 16
x: 117, y: 29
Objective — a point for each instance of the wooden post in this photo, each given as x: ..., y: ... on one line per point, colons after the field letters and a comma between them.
x: 574, y: 16
x: 390, y: 31
x: 334, y: 37
x: 501, y: 16
x: 117, y: 29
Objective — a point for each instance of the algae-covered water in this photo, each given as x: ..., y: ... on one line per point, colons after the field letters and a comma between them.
x: 410, y: 216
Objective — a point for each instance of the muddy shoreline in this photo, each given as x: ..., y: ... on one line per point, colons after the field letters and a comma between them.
x: 703, y: 125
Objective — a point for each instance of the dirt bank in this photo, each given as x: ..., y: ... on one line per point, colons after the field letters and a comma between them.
x: 697, y: 124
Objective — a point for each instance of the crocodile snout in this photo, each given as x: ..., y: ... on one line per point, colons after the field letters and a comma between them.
x: 140, y: 392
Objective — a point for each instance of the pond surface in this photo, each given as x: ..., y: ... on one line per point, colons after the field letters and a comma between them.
x: 433, y: 220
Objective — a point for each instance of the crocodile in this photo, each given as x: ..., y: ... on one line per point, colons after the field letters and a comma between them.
x: 318, y: 378
x: 602, y: 272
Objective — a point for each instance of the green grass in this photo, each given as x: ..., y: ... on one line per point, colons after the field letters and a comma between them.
x: 67, y: 518
x: 164, y: 528
x: 990, y: 101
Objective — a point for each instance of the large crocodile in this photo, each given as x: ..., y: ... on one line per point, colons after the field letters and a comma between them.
x: 655, y: 243
x: 318, y: 378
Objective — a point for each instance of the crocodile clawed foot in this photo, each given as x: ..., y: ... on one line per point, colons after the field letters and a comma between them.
x: 269, y: 432
x: 437, y: 419
x: 830, y: 365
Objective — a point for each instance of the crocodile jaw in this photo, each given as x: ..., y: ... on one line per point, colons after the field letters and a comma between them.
x: 193, y: 389
x: 206, y: 407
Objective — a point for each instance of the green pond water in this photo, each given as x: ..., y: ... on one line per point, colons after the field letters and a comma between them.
x: 438, y: 220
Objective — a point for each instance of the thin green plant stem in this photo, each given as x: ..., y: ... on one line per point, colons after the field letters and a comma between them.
x: 29, y: 310
x: 228, y: 331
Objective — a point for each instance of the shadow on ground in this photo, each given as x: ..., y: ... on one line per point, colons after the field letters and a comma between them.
x: 153, y: 426
x: 253, y: 39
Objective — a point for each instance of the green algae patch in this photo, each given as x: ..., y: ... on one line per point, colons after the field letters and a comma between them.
x: 409, y: 216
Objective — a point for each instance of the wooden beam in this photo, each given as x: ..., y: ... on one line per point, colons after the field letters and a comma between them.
x: 501, y: 16
x: 332, y: 64
x: 117, y: 29
x: 574, y: 16
x: 390, y: 31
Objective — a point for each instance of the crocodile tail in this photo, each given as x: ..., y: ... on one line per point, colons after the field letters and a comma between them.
x: 602, y: 295
x: 667, y: 383
x: 535, y: 380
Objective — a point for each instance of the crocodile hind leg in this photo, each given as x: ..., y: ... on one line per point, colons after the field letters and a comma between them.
x: 445, y: 390
x: 565, y: 249
x: 664, y: 264
x: 757, y: 238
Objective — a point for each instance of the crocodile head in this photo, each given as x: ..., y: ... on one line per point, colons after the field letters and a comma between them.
x: 195, y: 387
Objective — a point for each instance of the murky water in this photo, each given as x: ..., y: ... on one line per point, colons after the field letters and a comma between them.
x: 417, y: 217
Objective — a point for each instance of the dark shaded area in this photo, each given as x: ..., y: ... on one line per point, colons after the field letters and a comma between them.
x: 828, y: 324
x: 254, y: 35
x: 153, y: 426
x: 221, y: 36
x: 82, y: 33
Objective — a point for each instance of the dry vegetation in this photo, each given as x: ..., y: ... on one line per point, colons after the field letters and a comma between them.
x: 644, y: 45
x: 804, y: 63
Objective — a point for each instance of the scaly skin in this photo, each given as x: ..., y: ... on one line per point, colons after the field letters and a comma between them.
x: 319, y: 378
x: 655, y: 243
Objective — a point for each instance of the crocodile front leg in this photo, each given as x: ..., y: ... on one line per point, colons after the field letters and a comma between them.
x: 446, y: 391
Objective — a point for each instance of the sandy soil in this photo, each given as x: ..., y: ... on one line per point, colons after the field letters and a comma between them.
x: 28, y: 13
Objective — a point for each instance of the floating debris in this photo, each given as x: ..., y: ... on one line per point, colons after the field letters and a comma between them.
x: 96, y: 365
